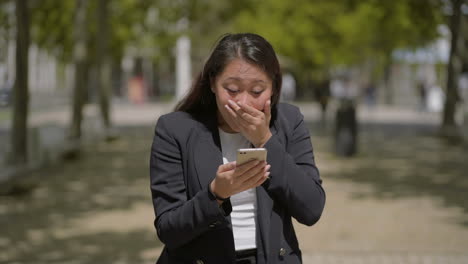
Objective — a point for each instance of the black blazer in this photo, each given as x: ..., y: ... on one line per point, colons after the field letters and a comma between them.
x: 185, y: 156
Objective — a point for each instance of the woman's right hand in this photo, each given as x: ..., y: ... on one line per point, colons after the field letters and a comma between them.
x: 231, y: 179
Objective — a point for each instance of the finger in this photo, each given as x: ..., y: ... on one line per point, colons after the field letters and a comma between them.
x: 231, y: 111
x: 249, y: 109
x: 244, y: 127
x: 227, y: 167
x: 234, y: 106
x: 263, y: 179
x: 267, y: 110
x: 238, y: 110
x: 249, y: 173
x: 241, y: 169
x: 245, y: 124
x: 252, y: 172
x: 241, y: 115
x: 249, y: 118
x: 236, y: 115
x: 255, y: 180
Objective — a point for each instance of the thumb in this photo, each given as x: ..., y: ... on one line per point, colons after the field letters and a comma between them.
x: 227, y: 167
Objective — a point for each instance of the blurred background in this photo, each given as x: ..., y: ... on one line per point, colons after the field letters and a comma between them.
x: 383, y: 86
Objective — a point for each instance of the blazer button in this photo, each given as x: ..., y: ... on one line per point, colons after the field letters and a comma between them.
x: 282, y: 252
x: 199, y: 261
x: 214, y: 224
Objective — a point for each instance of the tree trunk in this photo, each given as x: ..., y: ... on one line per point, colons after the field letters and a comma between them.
x: 103, y: 63
x: 464, y: 96
x: 453, y: 70
x: 79, y: 54
x: 388, y: 98
x: 117, y: 77
x: 19, y: 153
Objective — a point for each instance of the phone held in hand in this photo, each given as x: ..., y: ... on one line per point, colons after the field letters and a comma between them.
x: 246, y: 154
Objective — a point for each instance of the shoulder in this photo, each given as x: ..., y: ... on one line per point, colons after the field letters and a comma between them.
x: 176, y: 123
x: 176, y: 119
x: 287, y: 106
x: 288, y: 113
x: 288, y: 117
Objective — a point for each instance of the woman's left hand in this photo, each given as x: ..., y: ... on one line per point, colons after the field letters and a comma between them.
x: 254, y: 124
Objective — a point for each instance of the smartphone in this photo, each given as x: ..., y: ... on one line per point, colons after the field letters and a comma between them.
x: 247, y: 154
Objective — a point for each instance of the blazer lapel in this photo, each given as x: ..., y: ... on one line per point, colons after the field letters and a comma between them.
x: 208, y: 156
x: 265, y: 209
x: 207, y: 152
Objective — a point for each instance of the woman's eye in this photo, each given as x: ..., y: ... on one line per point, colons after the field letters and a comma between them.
x: 257, y: 92
x: 231, y: 90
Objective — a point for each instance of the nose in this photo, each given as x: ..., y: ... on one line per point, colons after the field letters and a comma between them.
x: 243, y: 98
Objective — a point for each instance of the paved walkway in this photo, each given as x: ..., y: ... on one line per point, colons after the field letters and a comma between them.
x: 402, y: 199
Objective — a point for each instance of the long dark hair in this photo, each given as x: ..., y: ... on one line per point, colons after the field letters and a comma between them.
x: 247, y: 46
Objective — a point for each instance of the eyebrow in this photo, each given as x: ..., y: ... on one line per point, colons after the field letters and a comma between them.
x: 240, y: 79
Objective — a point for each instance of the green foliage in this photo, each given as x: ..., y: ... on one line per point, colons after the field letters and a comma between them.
x: 208, y: 21
x: 52, y: 26
x: 308, y: 34
x: 6, y: 25
x: 321, y: 33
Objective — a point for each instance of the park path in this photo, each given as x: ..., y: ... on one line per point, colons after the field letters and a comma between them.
x: 402, y: 199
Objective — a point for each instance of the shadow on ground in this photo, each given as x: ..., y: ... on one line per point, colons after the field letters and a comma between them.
x: 38, y: 225
x: 108, y: 177
x: 402, y: 161
x: 91, y: 248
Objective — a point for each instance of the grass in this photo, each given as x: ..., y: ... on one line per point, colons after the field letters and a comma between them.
x: 5, y: 115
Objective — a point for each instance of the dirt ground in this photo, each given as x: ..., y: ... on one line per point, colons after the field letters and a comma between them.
x: 401, y: 199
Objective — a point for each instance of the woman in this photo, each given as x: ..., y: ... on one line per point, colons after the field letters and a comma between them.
x: 208, y: 209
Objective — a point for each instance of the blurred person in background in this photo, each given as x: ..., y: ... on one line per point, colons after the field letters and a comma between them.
x: 463, y: 87
x: 288, y: 88
x: 211, y: 210
x: 344, y: 89
x: 422, y: 94
x: 370, y: 94
x: 463, y: 95
x: 322, y: 95
x: 6, y: 92
x: 435, y: 98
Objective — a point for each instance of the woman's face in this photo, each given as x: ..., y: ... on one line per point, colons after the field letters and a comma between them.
x: 244, y: 82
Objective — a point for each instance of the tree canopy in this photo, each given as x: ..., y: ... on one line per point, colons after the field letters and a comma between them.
x: 333, y: 32
x: 312, y: 34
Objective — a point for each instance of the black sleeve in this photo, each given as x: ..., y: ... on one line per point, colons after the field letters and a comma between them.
x: 294, y: 178
x: 178, y: 220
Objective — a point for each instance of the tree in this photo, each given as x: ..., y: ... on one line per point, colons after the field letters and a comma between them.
x: 19, y: 153
x: 79, y: 56
x: 320, y: 35
x: 103, y: 63
x: 5, y: 30
x: 449, y: 126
